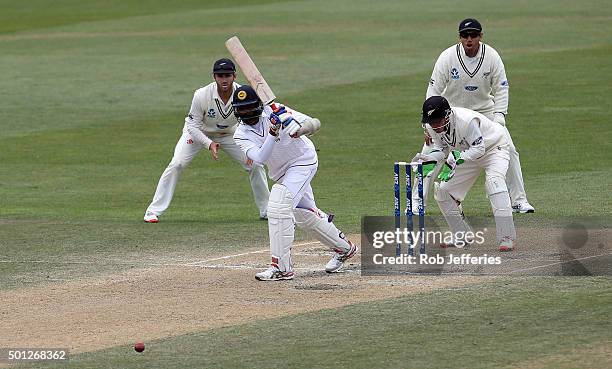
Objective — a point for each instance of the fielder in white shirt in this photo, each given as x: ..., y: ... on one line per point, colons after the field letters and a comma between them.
x: 210, y: 125
x: 471, y: 74
x: 471, y: 143
x: 275, y: 135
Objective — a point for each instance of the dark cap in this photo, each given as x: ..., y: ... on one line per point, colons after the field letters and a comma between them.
x: 435, y: 108
x: 224, y: 66
x: 470, y: 24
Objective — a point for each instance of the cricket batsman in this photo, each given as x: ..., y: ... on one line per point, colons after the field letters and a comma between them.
x: 474, y: 143
x: 275, y: 135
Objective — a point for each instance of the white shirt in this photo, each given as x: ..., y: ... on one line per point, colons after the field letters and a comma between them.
x: 471, y: 133
x: 277, y: 154
x: 209, y: 116
x: 477, y: 83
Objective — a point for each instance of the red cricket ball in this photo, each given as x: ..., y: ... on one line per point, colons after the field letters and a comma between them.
x: 139, y: 346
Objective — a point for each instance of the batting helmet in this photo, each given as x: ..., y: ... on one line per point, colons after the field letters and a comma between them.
x: 247, y: 105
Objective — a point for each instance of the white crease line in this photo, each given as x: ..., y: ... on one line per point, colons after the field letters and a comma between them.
x: 558, y: 263
x: 256, y: 267
x: 136, y: 262
x: 140, y: 262
x: 199, y: 263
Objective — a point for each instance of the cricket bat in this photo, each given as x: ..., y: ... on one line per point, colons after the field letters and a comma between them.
x: 249, y: 70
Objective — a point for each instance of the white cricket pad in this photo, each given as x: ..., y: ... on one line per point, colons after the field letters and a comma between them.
x: 502, y: 211
x: 496, y: 184
x: 281, y: 227
x: 324, y: 230
x: 450, y: 209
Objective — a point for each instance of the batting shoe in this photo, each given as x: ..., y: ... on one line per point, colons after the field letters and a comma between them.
x: 150, y: 217
x: 457, y: 245
x: 523, y: 208
x: 336, y: 262
x: 273, y: 274
x: 506, y: 245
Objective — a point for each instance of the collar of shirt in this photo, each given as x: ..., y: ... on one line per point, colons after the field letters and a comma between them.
x: 215, y: 94
x: 477, y: 56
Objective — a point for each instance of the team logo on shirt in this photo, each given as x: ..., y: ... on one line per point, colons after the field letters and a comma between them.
x: 471, y: 88
x: 454, y: 73
x: 211, y: 113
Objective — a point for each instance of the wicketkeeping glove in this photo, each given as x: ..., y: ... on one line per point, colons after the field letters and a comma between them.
x: 428, y: 168
x: 427, y: 161
x: 448, y: 169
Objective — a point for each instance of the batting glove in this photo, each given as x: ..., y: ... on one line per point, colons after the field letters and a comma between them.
x: 448, y: 169
x: 275, y: 125
x: 282, y: 118
x: 292, y: 128
x: 275, y: 121
x: 280, y: 121
x: 278, y: 109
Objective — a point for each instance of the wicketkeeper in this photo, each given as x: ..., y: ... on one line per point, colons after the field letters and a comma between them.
x: 471, y: 74
x: 470, y: 142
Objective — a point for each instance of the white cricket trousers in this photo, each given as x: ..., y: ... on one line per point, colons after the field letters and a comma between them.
x: 297, y: 180
x: 184, y: 153
x: 494, y: 164
x: 514, y: 176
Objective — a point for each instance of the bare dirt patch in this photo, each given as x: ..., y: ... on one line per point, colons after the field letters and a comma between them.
x: 163, y: 301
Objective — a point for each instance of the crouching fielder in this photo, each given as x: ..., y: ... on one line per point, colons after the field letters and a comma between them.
x: 475, y: 143
x: 276, y: 136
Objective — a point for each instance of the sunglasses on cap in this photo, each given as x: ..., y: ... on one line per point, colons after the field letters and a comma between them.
x: 469, y: 34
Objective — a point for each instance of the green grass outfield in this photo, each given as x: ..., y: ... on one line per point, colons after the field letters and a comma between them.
x: 94, y: 97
